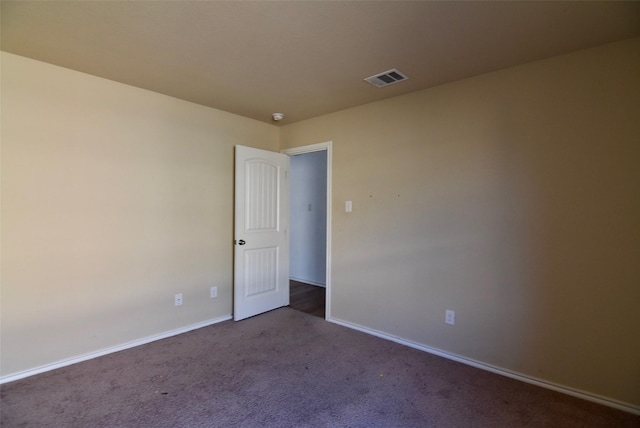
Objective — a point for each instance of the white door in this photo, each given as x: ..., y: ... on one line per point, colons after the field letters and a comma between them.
x: 261, y: 242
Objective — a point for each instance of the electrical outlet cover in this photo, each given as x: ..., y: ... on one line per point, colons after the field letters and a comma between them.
x: 450, y: 317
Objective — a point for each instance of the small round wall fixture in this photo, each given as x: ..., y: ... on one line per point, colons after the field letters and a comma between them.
x: 277, y: 116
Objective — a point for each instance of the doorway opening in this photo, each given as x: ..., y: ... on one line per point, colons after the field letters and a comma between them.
x: 310, y: 231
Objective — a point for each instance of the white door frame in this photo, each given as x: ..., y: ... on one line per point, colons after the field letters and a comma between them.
x: 326, y: 146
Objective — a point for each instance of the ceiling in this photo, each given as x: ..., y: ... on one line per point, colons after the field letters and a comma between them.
x: 301, y: 58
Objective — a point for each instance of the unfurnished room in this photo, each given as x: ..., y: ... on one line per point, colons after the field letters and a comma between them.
x: 319, y: 214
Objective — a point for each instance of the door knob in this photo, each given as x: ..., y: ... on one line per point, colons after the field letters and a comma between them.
x: 241, y: 242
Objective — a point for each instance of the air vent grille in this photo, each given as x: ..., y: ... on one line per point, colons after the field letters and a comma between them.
x: 387, y: 78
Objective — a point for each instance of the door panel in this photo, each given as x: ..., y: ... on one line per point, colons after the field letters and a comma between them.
x: 261, y: 266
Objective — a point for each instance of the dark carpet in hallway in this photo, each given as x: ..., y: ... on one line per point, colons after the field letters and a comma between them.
x: 307, y: 298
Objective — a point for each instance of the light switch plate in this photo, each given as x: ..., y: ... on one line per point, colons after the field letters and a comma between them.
x: 348, y: 206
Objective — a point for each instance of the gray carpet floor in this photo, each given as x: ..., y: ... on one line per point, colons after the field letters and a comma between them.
x: 287, y: 369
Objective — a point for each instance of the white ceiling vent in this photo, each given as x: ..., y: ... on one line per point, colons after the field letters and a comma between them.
x: 387, y: 78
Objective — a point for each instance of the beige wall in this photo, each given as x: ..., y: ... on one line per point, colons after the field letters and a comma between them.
x: 511, y: 198
x: 113, y: 199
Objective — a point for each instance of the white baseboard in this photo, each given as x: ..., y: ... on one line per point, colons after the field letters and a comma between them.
x: 100, y: 353
x: 488, y: 367
x: 308, y: 281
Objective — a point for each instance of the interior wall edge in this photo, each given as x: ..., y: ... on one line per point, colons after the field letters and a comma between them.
x: 132, y: 344
x: 307, y: 281
x: 599, y: 399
